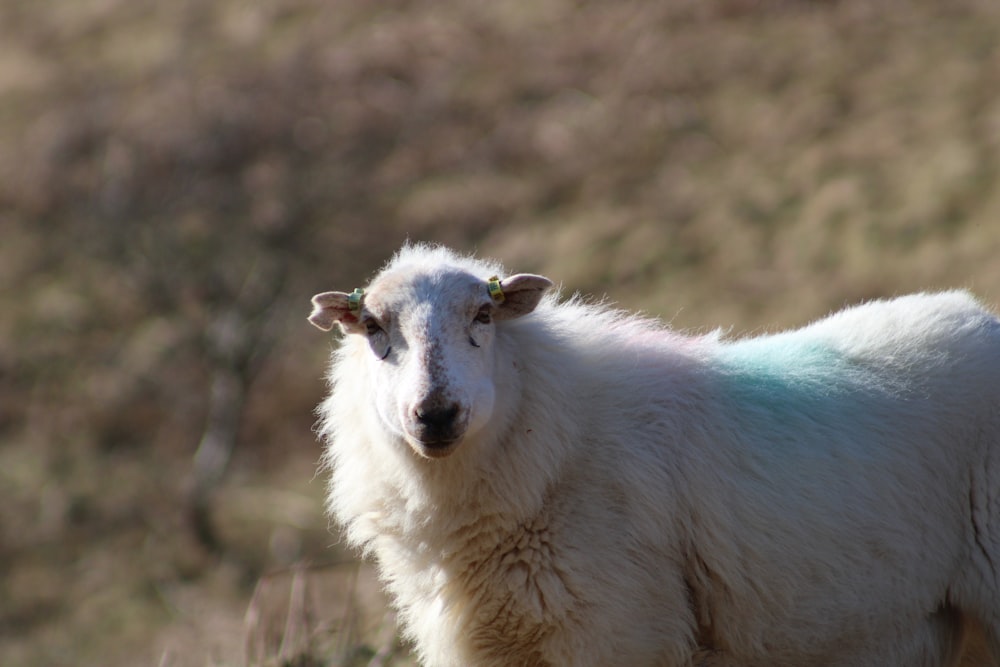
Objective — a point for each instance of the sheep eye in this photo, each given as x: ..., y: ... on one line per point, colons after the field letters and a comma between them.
x: 379, y: 344
x: 484, y: 316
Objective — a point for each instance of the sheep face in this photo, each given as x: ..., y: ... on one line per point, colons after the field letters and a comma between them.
x: 431, y: 355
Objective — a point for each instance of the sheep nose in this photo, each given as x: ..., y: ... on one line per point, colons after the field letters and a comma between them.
x: 437, y: 419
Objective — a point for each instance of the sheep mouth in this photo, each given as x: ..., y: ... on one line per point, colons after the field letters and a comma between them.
x: 435, y: 448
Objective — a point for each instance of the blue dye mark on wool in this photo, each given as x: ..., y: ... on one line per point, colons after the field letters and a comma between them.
x: 793, y: 378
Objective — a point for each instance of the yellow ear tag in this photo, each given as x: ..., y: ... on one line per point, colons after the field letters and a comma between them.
x: 354, y: 300
x: 496, y: 293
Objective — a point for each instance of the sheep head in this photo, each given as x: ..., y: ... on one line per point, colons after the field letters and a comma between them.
x: 430, y: 334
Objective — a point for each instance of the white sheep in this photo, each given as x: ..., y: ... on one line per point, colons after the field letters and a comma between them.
x: 547, y: 483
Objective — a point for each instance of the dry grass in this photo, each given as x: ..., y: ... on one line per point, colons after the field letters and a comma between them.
x: 333, y: 615
x: 167, y: 167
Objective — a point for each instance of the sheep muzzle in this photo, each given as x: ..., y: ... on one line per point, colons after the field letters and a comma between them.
x: 436, y: 425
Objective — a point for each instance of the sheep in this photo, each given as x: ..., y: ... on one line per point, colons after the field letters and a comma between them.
x: 553, y: 482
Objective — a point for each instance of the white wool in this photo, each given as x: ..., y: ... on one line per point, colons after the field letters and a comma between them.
x: 626, y: 495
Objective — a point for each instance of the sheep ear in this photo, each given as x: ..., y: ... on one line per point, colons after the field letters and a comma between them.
x: 519, y: 295
x: 330, y: 308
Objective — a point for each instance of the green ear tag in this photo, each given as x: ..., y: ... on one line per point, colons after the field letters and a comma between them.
x: 354, y: 300
x: 496, y: 293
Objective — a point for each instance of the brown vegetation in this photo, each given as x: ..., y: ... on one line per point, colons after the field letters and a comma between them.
x: 177, y: 178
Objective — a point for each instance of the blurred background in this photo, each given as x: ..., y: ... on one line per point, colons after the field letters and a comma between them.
x: 178, y: 178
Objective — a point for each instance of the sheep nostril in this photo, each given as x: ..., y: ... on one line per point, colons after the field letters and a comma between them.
x: 437, y: 418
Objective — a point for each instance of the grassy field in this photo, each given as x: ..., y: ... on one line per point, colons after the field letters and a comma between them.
x: 177, y: 179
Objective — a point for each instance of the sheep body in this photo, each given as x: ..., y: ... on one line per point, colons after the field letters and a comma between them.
x: 632, y: 496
